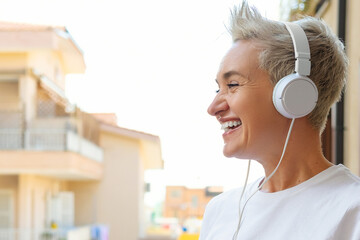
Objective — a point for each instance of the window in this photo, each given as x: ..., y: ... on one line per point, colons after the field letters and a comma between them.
x: 175, y: 193
x: 6, y: 209
x: 194, y: 201
x: 61, y: 209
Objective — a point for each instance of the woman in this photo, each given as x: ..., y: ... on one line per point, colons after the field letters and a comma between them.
x: 304, y: 197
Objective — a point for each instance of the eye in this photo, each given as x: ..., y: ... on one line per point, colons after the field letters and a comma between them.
x: 230, y: 85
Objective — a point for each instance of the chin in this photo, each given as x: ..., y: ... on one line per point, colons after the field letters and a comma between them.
x: 229, y: 153
x: 236, y: 153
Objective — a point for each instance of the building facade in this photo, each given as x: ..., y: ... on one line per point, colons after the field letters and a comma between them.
x: 62, y: 170
x: 343, y: 18
x: 185, y: 203
x: 341, y: 138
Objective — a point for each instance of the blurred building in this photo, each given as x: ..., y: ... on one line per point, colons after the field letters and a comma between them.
x: 184, y: 203
x: 341, y: 139
x: 63, y: 170
x: 343, y: 18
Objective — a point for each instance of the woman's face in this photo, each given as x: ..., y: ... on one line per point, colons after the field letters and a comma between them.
x: 243, y: 105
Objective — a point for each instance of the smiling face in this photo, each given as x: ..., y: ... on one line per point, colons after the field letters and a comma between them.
x: 252, y: 127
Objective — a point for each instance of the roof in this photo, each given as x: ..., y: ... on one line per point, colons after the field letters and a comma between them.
x: 108, y: 123
x: 150, y: 147
x: 19, y: 27
x: 108, y: 118
x: 24, y: 37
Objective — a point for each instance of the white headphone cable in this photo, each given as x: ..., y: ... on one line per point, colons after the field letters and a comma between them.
x: 241, y: 196
x: 262, y: 184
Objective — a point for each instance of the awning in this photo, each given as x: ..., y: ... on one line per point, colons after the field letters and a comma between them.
x: 53, y: 91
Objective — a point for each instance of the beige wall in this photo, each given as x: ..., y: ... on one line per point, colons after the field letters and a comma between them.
x: 352, y: 108
x: 49, y: 64
x: 12, y: 61
x: 11, y: 66
x: 331, y: 15
x: 60, y: 164
x: 9, y: 95
x: 116, y: 197
x: 86, y: 200
x: 28, y: 86
x: 9, y: 89
x: 32, y: 192
x: 10, y: 183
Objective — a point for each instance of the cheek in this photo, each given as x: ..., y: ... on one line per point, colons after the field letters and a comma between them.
x: 248, y: 103
x: 239, y: 102
x: 260, y: 117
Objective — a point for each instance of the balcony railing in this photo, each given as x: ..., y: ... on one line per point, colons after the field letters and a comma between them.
x: 11, y: 139
x: 78, y: 233
x: 48, y: 139
x: 32, y: 234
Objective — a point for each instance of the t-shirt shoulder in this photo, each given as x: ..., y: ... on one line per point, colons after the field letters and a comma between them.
x: 224, y: 203
x: 215, y: 207
x: 221, y: 199
x: 347, y: 172
x: 351, y: 184
x: 231, y: 196
x: 226, y: 195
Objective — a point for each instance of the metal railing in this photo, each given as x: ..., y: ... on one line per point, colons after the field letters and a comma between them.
x: 45, y: 139
x: 11, y: 139
x: 50, y: 134
x: 32, y: 234
x: 73, y: 233
x: 48, y: 139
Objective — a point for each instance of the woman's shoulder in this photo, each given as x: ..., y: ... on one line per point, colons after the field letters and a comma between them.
x: 344, y: 179
x: 346, y: 171
x: 218, y: 206
x: 348, y: 184
x: 231, y: 197
x: 226, y: 196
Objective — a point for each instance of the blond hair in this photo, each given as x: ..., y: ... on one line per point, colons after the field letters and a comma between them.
x: 328, y: 60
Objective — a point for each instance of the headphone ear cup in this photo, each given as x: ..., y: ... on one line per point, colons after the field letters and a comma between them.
x: 295, y: 96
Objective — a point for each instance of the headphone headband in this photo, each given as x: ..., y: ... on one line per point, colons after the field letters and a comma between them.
x: 301, y: 48
x: 295, y: 95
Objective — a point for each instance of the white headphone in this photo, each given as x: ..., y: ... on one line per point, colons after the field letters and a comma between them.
x: 296, y: 95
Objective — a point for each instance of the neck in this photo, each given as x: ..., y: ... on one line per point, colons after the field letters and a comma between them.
x: 302, y: 160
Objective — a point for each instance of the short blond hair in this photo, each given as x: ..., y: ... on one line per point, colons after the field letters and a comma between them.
x: 328, y: 59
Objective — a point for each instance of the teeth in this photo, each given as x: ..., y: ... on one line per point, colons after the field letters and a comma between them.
x: 225, y: 126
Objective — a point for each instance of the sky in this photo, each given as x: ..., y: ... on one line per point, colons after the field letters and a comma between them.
x: 153, y: 63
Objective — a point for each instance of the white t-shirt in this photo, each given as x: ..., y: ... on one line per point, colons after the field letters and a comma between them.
x: 326, y: 206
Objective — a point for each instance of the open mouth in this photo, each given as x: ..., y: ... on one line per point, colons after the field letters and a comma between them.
x: 230, y: 125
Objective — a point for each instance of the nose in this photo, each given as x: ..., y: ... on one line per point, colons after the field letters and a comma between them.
x: 218, y: 105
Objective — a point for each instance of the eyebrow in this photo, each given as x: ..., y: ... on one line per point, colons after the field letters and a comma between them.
x: 228, y: 74
x: 231, y: 73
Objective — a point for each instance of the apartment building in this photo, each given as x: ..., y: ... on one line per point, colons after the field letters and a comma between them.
x: 63, y: 171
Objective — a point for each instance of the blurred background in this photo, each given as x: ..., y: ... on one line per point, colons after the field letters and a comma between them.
x: 104, y: 132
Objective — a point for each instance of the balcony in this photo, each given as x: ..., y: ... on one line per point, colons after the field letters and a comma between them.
x: 50, y: 147
x: 49, y: 140
x: 74, y: 233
